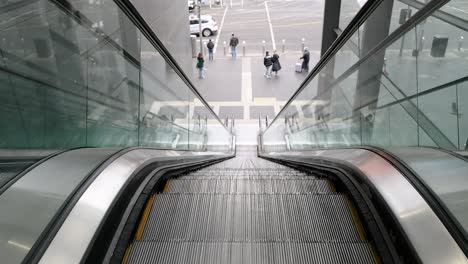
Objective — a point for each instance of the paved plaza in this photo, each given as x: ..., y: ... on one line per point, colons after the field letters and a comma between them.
x: 236, y: 88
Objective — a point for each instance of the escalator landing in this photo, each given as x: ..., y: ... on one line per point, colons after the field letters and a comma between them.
x: 249, y: 210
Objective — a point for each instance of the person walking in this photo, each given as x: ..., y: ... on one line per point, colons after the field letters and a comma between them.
x: 276, y: 63
x: 210, y: 47
x: 267, y: 61
x: 233, y: 44
x: 200, y: 66
x: 305, y: 57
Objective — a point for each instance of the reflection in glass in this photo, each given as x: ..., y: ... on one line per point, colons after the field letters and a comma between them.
x: 403, y: 95
x: 84, y: 75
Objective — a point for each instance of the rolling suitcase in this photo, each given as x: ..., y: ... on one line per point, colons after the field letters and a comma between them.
x: 298, y: 67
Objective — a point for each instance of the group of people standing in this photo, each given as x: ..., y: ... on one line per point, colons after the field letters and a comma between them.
x: 271, y: 62
x: 210, y: 46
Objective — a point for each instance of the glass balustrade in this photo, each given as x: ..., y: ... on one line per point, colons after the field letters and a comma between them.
x: 408, y: 92
x: 81, y: 74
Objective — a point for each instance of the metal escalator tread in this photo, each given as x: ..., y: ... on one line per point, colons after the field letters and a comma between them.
x: 248, y: 210
x: 258, y: 217
x: 250, y: 252
x: 244, y: 186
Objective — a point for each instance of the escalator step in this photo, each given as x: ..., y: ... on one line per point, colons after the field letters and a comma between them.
x: 255, y: 253
x: 249, y: 186
x: 241, y: 218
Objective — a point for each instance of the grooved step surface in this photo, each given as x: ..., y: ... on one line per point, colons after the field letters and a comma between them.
x: 249, y: 210
x: 239, y: 218
x: 250, y: 253
x: 221, y: 174
x: 249, y: 186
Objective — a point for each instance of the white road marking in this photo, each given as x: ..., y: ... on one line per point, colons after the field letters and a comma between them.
x: 271, y: 27
x: 219, y: 31
x: 246, y: 92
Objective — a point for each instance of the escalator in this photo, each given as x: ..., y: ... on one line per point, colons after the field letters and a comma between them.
x: 249, y: 210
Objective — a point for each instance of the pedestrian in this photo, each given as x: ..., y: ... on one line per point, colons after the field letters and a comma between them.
x: 305, y: 57
x: 267, y: 61
x: 233, y: 43
x: 276, y: 63
x: 200, y: 66
x: 210, y: 47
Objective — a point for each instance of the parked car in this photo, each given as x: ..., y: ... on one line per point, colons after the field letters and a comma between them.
x: 209, y: 25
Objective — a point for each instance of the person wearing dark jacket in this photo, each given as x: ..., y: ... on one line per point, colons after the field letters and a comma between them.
x: 210, y: 47
x: 200, y: 66
x: 267, y: 61
x: 233, y: 44
x: 305, y: 57
x: 276, y: 64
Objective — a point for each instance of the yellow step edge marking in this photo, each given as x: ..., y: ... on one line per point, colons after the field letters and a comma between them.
x: 144, y: 218
x: 332, y: 186
x: 127, y: 254
x: 166, y: 187
x: 356, y: 220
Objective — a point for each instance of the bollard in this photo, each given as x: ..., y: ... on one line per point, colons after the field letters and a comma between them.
x: 263, y: 47
x: 460, y: 43
x: 303, y: 44
x: 224, y: 44
x: 243, y: 48
x: 284, y: 41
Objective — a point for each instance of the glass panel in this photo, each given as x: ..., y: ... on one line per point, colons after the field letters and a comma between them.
x: 408, y: 94
x: 90, y: 79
